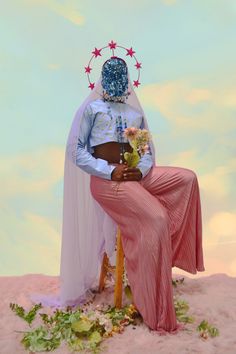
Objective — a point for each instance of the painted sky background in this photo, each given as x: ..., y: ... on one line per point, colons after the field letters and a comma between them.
x: 188, y: 92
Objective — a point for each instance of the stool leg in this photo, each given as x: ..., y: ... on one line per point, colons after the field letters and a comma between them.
x: 119, y: 271
x: 103, y: 273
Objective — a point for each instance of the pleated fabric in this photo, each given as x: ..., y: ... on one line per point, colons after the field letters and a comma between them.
x: 161, y: 227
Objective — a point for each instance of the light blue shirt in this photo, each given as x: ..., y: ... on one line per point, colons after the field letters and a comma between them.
x: 98, y: 126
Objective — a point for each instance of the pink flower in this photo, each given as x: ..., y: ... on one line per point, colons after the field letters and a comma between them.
x: 143, y: 149
x: 131, y: 133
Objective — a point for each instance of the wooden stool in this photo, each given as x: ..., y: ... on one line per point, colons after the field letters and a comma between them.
x: 119, y: 269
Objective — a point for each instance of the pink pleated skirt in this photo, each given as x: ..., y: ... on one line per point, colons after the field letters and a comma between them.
x: 161, y: 227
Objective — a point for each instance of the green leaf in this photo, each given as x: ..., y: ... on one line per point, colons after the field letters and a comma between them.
x: 185, y: 318
x: 214, y: 332
x: 40, y: 340
x: 20, y: 311
x: 82, y: 325
x: 95, y: 337
x: 203, y: 325
x: 76, y: 344
x: 132, y: 158
x: 74, y: 317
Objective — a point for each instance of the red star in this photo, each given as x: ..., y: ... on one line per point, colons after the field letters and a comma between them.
x: 96, y: 52
x: 91, y: 85
x: 130, y: 52
x: 138, y: 65
x: 87, y: 69
x: 136, y: 83
x: 112, y: 45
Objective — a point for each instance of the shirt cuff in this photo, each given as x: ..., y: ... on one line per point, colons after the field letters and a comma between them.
x: 112, y: 167
x: 145, y: 164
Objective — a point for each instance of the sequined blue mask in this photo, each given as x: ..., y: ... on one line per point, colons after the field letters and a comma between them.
x: 115, y: 77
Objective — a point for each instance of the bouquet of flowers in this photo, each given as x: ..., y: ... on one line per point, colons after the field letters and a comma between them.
x: 138, y: 139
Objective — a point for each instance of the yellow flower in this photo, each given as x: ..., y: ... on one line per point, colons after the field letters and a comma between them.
x: 115, y: 329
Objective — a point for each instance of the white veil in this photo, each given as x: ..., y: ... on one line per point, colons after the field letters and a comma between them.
x: 87, y: 231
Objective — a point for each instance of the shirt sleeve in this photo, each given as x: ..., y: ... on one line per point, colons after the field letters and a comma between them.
x: 97, y: 167
x: 146, y: 162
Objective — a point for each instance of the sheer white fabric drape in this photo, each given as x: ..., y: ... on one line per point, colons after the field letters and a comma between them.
x: 87, y: 231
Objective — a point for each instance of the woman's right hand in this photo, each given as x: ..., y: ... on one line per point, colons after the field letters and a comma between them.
x: 124, y: 173
x: 117, y: 173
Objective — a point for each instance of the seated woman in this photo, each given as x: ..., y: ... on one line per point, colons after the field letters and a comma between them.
x: 156, y: 207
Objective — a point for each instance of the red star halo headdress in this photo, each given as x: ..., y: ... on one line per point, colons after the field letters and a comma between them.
x: 112, y: 46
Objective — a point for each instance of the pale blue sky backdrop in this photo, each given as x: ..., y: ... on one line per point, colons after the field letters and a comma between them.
x: 188, y: 91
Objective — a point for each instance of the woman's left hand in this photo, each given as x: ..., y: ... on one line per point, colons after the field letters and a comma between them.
x: 132, y: 174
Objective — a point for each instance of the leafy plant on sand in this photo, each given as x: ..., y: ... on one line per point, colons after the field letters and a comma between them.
x: 86, y: 327
x: 29, y: 316
x: 181, y: 308
x: 82, y: 329
x: 207, y: 330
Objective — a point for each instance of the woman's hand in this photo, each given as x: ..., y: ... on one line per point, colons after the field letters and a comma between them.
x: 124, y: 173
x: 117, y: 173
x: 132, y: 174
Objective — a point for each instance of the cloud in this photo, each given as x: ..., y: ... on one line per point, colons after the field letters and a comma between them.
x: 216, y: 171
x: 220, y: 258
x: 67, y: 9
x: 229, y: 98
x: 188, y: 158
x: 30, y: 243
x: 160, y: 95
x: 221, y: 229
x: 193, y: 108
x: 30, y: 227
x: 195, y: 95
x: 33, y: 172
x: 220, y: 181
x: 223, y: 224
x: 216, y: 177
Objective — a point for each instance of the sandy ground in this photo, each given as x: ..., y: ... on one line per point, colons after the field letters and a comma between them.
x: 210, y: 297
